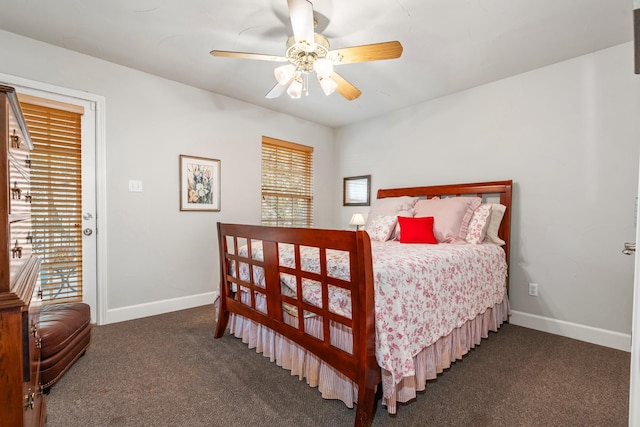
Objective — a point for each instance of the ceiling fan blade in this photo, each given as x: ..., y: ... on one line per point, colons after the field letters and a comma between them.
x: 244, y: 55
x: 301, y: 15
x: 346, y: 89
x: 368, y: 52
x: 277, y: 90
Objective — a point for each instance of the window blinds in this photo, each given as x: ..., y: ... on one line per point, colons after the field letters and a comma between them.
x: 56, y: 207
x: 287, y: 193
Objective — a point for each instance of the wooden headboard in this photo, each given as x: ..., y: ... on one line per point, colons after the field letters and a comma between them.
x: 489, y: 191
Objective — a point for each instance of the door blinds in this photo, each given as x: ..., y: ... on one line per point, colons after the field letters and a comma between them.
x: 287, y: 193
x: 56, y: 207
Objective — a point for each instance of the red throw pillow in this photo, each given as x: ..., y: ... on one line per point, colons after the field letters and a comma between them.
x: 417, y: 230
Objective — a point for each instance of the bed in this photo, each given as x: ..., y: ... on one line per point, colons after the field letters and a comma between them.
x: 355, y: 313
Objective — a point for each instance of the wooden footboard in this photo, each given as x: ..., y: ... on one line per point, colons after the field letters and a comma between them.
x: 263, y: 272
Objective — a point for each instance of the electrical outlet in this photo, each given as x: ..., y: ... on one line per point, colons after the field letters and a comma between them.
x: 533, y: 289
x: 135, y: 185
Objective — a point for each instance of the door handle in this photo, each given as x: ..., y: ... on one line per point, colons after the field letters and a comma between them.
x: 629, y: 248
x: 87, y: 231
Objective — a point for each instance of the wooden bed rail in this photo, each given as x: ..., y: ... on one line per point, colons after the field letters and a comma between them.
x: 241, y: 293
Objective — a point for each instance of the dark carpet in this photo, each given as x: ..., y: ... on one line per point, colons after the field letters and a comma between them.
x: 168, y: 370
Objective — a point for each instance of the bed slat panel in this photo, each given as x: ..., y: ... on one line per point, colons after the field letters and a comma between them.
x: 357, y: 245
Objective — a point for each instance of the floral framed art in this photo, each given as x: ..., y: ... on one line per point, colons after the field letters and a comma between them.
x: 199, y: 184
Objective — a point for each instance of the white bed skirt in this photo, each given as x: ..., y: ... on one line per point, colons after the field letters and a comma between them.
x: 431, y: 361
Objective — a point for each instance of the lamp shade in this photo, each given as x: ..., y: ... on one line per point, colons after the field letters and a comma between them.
x: 284, y: 73
x: 323, y: 67
x: 328, y: 86
x: 357, y: 219
x: 295, y: 89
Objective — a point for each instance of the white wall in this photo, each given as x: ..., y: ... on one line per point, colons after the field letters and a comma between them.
x: 159, y: 258
x: 568, y: 136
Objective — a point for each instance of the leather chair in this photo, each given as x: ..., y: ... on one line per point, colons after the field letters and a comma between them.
x: 65, y: 330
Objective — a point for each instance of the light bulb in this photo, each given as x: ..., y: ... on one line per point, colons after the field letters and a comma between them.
x: 323, y: 67
x: 295, y: 89
x: 328, y: 85
x: 284, y: 73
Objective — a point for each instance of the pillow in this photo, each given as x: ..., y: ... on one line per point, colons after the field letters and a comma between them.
x: 390, y: 206
x: 451, y: 216
x: 381, y: 227
x: 396, y: 233
x: 417, y: 230
x: 497, y: 212
x: 478, y: 225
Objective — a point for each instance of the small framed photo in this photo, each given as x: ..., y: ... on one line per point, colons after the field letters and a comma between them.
x: 356, y: 191
x: 199, y: 184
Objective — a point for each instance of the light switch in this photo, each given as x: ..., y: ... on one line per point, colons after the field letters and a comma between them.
x: 135, y: 185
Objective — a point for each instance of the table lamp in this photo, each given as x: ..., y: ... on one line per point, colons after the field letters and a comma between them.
x: 357, y: 219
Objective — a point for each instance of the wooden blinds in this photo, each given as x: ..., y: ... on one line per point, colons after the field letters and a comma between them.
x: 56, y: 207
x: 287, y: 193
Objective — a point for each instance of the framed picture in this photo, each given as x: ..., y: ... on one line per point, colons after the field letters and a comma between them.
x: 199, y: 184
x: 356, y: 191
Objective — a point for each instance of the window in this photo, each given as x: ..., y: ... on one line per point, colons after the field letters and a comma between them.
x: 56, y: 185
x: 287, y: 193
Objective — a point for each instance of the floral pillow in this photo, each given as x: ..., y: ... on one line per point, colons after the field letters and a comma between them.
x: 477, y: 228
x: 381, y: 227
x: 390, y: 206
x: 395, y: 235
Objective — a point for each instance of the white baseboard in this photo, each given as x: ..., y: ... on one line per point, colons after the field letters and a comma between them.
x: 576, y: 331
x: 159, y: 307
x: 598, y: 336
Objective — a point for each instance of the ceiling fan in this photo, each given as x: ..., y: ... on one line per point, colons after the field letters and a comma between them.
x: 308, y: 52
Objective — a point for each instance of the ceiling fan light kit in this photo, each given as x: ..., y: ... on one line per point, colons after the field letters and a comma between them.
x: 323, y: 67
x: 305, y: 58
x: 284, y: 73
x: 295, y: 89
x: 328, y: 86
x: 308, y: 52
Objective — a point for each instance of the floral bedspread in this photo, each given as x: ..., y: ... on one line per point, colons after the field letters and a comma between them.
x: 422, y: 292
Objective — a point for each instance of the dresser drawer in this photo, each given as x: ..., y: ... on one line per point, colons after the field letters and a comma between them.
x: 31, y: 343
x: 31, y: 347
x: 20, y: 238
x: 20, y: 246
x: 19, y: 184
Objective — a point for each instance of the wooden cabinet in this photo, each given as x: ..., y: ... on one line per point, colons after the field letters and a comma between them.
x: 21, y: 400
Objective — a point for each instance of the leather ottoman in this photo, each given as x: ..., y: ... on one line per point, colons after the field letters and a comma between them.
x: 65, y: 330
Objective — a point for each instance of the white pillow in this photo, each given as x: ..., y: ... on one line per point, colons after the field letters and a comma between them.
x: 381, y: 227
x: 497, y: 212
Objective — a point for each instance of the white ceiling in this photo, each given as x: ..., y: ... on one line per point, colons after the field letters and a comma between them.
x: 449, y: 45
